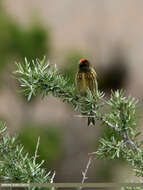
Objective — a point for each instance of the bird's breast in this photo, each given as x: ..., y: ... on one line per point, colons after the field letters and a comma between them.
x: 82, y: 81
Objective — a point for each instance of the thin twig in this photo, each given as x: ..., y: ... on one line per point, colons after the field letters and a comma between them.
x: 52, y: 180
x: 84, y: 173
x: 53, y: 176
x: 84, y: 116
x: 36, y: 151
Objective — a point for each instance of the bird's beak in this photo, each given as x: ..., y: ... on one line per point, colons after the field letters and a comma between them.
x: 81, y: 64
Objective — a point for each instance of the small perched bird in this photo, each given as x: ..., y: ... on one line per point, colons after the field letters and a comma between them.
x: 86, y: 81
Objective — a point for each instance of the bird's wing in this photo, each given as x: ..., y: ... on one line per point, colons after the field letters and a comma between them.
x: 91, y: 78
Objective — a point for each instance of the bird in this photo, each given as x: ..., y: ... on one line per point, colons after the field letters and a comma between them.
x: 86, y: 80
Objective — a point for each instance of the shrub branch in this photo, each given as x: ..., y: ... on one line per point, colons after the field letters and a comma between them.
x: 117, y: 114
x: 16, y: 166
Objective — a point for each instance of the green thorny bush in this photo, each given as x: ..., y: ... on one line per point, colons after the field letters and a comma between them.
x: 39, y: 77
x: 16, y: 166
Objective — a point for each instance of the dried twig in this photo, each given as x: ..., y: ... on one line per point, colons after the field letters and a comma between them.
x: 52, y: 180
x: 84, y: 173
x: 53, y: 176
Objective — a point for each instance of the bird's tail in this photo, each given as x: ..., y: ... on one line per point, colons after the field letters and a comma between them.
x: 91, y: 121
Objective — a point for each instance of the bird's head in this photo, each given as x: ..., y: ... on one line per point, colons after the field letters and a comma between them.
x: 84, y: 65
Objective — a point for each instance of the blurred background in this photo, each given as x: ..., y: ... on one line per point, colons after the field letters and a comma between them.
x: 109, y: 34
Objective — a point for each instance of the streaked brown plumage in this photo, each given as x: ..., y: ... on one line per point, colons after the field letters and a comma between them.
x: 86, y: 81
